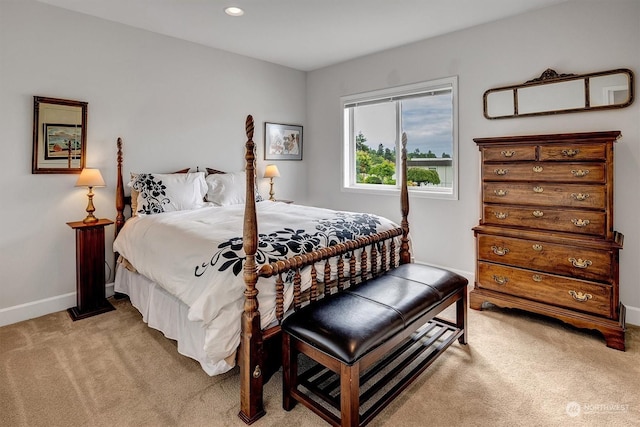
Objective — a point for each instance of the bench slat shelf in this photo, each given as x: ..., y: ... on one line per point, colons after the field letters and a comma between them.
x: 412, y: 352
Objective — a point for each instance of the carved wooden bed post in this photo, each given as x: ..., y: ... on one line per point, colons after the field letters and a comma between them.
x: 251, y: 356
x: 405, y: 255
x: 119, y: 191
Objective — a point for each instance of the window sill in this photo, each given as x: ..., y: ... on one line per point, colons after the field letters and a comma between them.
x: 444, y: 194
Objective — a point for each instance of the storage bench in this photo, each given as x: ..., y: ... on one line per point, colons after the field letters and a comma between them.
x: 370, y: 341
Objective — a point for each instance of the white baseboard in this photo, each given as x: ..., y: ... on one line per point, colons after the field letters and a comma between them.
x: 34, y: 309
x: 633, y: 316
x: 39, y: 308
x: 108, y: 289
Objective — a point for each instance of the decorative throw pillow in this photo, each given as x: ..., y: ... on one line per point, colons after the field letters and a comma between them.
x: 134, y: 193
x: 159, y: 193
x: 226, y: 189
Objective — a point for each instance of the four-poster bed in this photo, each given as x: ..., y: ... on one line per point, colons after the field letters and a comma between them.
x: 275, y: 273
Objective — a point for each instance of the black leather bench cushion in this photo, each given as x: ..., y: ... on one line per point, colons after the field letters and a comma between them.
x: 344, y: 325
x: 349, y: 324
x: 444, y: 282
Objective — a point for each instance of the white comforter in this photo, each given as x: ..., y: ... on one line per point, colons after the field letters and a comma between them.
x: 197, y: 256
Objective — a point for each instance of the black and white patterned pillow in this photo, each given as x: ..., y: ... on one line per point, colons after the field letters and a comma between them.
x: 159, y: 193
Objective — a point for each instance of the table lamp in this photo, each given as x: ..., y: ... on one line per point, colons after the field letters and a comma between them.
x: 271, y: 172
x: 90, y: 178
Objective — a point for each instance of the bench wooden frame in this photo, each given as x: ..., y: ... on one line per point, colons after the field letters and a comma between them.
x: 401, y: 350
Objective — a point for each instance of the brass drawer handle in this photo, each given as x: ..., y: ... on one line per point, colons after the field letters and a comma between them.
x: 570, y: 152
x: 580, y: 173
x: 537, y: 278
x: 580, y: 222
x: 538, y: 189
x: 500, y: 193
x: 579, y: 296
x: 538, y: 169
x: 580, y: 196
x: 580, y: 263
x: 499, y: 250
x: 536, y: 247
x: 500, y: 280
x: 538, y: 214
x: 508, y: 153
x: 501, y: 215
x: 501, y: 171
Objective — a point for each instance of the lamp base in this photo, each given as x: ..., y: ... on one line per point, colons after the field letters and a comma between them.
x: 90, y: 219
x: 271, y: 192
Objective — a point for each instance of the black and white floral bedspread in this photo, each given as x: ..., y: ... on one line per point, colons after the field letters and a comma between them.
x: 287, y: 242
x: 197, y: 256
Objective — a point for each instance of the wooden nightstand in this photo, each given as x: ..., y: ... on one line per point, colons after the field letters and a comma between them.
x: 90, y: 279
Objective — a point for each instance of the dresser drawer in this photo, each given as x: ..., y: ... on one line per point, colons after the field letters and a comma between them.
x: 572, y: 152
x: 511, y: 154
x: 545, y: 171
x: 542, y: 218
x: 545, y: 194
x: 566, y: 260
x: 547, y: 288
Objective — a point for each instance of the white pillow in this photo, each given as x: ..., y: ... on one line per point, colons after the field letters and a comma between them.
x: 168, y: 192
x: 226, y: 189
x: 134, y: 193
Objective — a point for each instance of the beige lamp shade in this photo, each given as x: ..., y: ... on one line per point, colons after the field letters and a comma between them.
x: 271, y: 171
x: 90, y: 178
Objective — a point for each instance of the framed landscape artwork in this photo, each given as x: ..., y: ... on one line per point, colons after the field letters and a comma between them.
x: 59, y: 135
x: 282, y: 142
x: 62, y: 141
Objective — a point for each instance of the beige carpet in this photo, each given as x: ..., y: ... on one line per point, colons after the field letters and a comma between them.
x: 112, y: 370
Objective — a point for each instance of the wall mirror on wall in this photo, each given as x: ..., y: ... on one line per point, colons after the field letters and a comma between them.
x: 59, y: 135
x: 554, y: 93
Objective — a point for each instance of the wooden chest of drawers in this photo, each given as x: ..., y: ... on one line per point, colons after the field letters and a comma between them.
x: 546, y: 242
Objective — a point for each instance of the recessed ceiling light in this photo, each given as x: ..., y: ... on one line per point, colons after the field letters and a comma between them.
x: 234, y: 11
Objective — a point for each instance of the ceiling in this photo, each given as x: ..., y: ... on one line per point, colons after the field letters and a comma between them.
x: 303, y: 34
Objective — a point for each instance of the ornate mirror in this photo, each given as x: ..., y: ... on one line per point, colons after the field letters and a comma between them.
x: 554, y: 93
x: 59, y: 135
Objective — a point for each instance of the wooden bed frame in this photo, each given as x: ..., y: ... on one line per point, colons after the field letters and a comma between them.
x: 259, y: 355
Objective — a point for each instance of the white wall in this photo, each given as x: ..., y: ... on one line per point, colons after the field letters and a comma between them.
x: 575, y: 37
x: 179, y: 104
x: 175, y: 104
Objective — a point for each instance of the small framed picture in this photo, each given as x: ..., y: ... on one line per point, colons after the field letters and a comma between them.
x: 282, y: 142
x: 62, y: 141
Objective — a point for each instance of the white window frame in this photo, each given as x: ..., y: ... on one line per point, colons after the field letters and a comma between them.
x: 348, y: 153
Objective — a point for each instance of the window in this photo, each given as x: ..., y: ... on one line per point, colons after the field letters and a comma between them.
x: 373, y: 127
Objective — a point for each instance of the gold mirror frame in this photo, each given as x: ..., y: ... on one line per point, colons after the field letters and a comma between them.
x: 554, y: 93
x: 59, y: 135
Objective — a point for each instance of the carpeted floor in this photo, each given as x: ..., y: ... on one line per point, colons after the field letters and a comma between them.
x: 112, y: 370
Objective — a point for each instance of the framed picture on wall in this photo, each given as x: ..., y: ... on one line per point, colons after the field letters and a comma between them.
x: 282, y: 142
x: 62, y: 141
x: 59, y: 135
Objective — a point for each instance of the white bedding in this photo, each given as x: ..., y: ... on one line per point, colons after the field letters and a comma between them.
x: 166, y: 313
x: 197, y: 256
